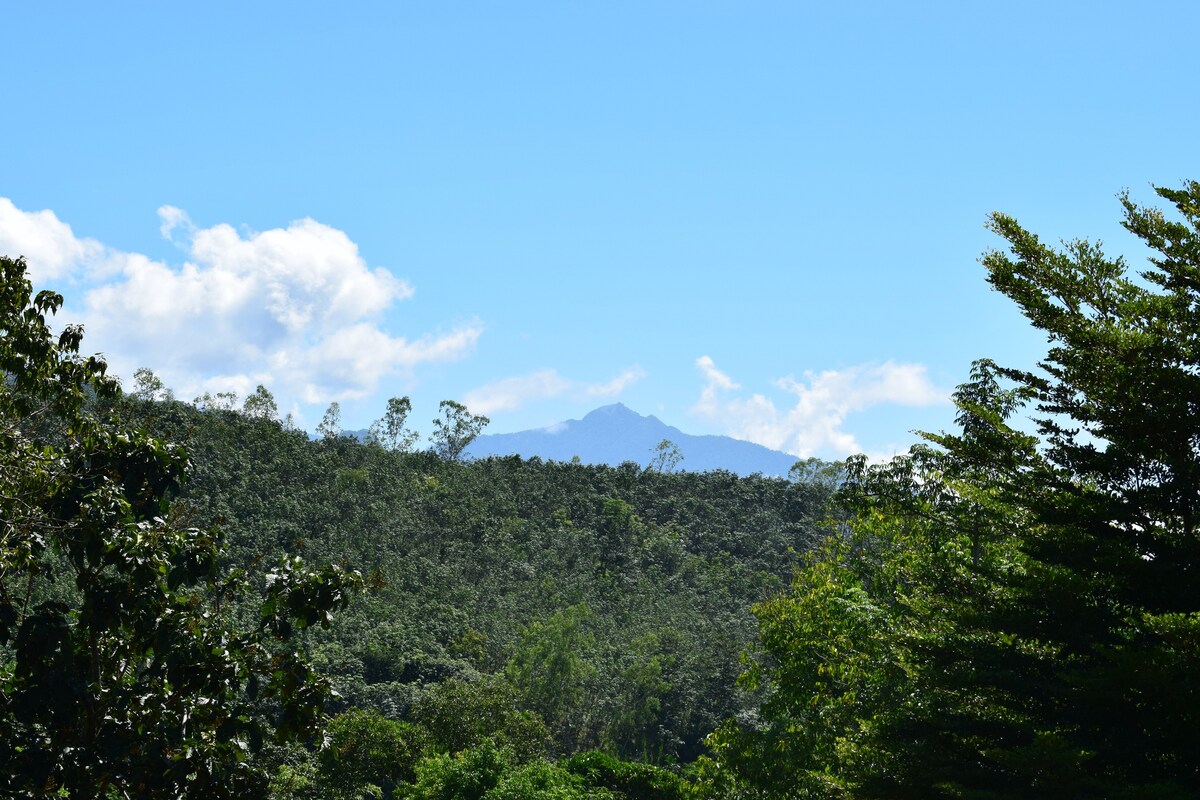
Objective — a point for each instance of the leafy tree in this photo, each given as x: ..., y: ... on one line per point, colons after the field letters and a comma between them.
x: 330, y: 427
x: 626, y: 779
x: 261, y: 405
x: 1016, y: 616
x: 666, y: 456
x: 543, y: 781
x: 549, y: 669
x: 391, y: 431
x: 221, y: 401
x: 455, y: 429
x: 122, y: 671
x: 635, y: 729
x: 827, y: 475
x: 460, y: 714
x: 366, y: 753
x: 149, y: 386
x: 467, y: 775
x: 618, y: 530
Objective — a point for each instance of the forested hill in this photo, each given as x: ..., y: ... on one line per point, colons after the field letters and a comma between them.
x: 637, y: 584
x: 996, y: 614
x: 614, y: 434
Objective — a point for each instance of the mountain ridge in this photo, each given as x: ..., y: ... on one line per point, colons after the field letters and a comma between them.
x: 614, y: 433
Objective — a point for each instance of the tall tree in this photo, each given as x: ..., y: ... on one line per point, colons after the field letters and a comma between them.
x: 665, y: 456
x: 149, y: 386
x: 122, y: 672
x: 1017, y: 616
x: 455, y: 429
x: 261, y: 404
x: 330, y: 426
x: 391, y: 432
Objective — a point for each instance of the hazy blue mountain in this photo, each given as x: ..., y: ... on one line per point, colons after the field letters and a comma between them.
x: 614, y: 434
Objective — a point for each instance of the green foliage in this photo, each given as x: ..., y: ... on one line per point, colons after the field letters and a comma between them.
x: 366, y: 753
x: 635, y: 730
x: 1010, y: 616
x: 666, y: 456
x: 261, y: 405
x: 626, y: 779
x: 123, y: 671
x: 488, y: 772
x: 391, y: 432
x: 221, y: 401
x: 455, y: 429
x: 619, y: 529
x: 543, y: 781
x: 468, y: 775
x: 814, y: 472
x: 460, y: 714
x: 330, y: 427
x: 149, y: 386
x: 550, y: 670
x: 467, y: 557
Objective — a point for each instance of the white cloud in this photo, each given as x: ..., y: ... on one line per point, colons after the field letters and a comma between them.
x: 822, y: 401
x: 171, y: 218
x: 716, y: 378
x: 618, y: 384
x: 717, y: 382
x: 294, y: 308
x: 51, y: 249
x: 510, y: 394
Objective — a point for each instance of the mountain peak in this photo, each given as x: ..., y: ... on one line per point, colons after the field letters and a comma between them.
x: 615, y: 433
x: 612, y: 410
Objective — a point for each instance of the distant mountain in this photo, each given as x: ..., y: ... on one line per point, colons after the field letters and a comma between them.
x: 614, y: 434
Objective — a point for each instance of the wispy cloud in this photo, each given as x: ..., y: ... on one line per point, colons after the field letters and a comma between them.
x: 814, y: 422
x: 295, y: 308
x: 715, y: 383
x: 618, y: 384
x: 510, y: 394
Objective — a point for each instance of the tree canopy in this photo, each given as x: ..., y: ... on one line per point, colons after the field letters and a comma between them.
x: 124, y: 671
x: 1014, y: 614
x: 456, y: 428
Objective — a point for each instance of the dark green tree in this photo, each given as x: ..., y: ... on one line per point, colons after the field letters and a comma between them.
x: 1011, y: 615
x: 122, y: 670
x: 366, y: 754
x: 460, y: 714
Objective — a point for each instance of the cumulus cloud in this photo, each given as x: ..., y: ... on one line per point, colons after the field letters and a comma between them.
x: 50, y: 248
x: 821, y: 403
x: 295, y: 308
x: 510, y: 394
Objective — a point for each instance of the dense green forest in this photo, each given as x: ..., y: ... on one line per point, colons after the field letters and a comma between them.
x: 198, y: 601
x: 613, y: 602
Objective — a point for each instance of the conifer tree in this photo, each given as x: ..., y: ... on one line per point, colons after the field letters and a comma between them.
x: 1015, y: 615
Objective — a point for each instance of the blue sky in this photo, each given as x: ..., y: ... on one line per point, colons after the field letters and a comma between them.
x: 761, y: 219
